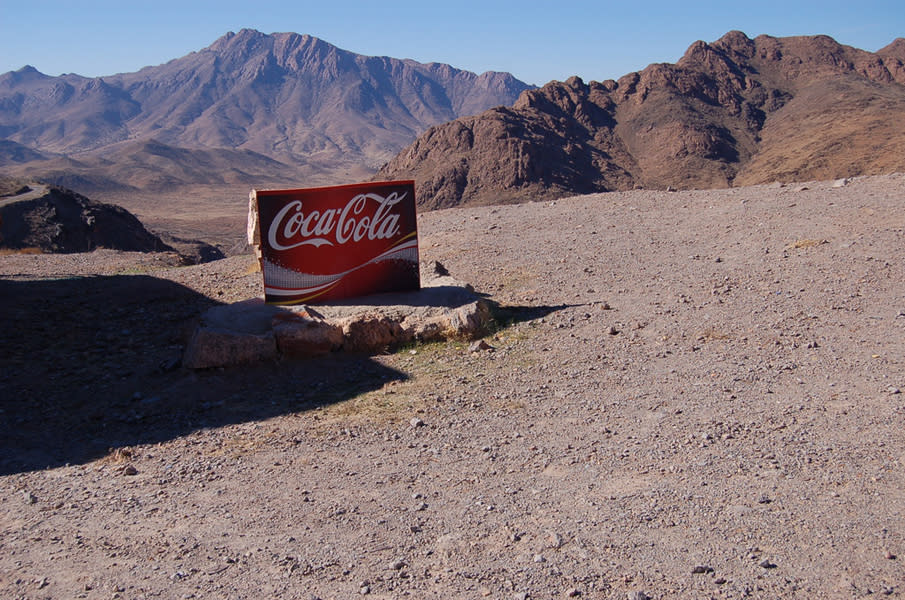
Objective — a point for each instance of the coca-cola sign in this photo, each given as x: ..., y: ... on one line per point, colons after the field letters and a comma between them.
x: 330, y: 243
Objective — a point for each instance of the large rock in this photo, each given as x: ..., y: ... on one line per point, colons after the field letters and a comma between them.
x: 252, y: 331
x: 212, y: 347
x: 55, y: 219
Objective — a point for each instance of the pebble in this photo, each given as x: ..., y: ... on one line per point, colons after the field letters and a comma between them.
x: 637, y: 595
x: 28, y: 497
x: 521, y: 596
x: 572, y: 593
x: 697, y: 570
x: 538, y: 558
x: 766, y: 564
x: 416, y: 422
x: 479, y: 345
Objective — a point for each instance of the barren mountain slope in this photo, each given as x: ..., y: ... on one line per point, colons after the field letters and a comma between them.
x: 697, y: 395
x: 289, y: 97
x: 754, y: 110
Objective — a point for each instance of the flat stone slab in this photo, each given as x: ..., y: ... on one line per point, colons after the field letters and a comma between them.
x: 251, y: 331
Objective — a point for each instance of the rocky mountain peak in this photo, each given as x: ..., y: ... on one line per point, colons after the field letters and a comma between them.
x: 894, y: 51
x: 285, y: 96
x: 734, y: 111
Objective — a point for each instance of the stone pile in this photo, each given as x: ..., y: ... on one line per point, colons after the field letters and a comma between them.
x: 251, y: 331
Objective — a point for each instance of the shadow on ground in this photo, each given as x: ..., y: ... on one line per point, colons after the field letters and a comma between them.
x: 507, y: 315
x: 89, y: 364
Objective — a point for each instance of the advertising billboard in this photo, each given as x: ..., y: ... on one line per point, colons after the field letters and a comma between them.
x: 332, y: 243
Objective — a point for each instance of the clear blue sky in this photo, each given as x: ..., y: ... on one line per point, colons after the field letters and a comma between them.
x: 535, y: 41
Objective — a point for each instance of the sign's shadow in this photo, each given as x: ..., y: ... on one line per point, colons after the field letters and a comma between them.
x: 91, y: 364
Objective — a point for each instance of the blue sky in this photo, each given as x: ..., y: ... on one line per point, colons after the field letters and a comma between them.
x: 536, y: 42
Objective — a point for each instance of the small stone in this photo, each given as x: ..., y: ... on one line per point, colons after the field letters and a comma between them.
x: 699, y: 569
x: 129, y: 470
x: 170, y: 364
x: 764, y: 499
x: 28, y: 497
x: 890, y: 555
x: 521, y: 596
x: 364, y: 590
x: 538, y: 558
x: 416, y: 422
x: 719, y: 580
x: 479, y: 346
x: 766, y: 564
x: 894, y: 391
x: 397, y: 564
x: 421, y: 506
x: 572, y: 593
x: 636, y: 595
x: 612, y: 330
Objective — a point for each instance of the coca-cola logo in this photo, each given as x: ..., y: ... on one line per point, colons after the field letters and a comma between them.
x: 335, y: 242
x: 293, y: 227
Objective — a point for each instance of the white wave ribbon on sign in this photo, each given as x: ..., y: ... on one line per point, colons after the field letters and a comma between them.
x: 281, y: 281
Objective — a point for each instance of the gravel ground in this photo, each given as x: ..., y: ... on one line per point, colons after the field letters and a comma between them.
x: 694, y: 395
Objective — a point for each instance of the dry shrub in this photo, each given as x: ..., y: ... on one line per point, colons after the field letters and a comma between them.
x: 11, y: 251
x: 117, y: 456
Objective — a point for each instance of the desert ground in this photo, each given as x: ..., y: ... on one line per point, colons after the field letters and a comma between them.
x: 688, y: 395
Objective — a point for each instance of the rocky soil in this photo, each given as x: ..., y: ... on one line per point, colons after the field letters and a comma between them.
x: 693, y: 395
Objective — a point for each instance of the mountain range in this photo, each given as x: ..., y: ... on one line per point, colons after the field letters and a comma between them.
x: 738, y: 111
x: 248, y: 108
x: 288, y: 109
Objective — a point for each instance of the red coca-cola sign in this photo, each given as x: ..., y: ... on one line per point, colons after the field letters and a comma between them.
x: 330, y: 243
